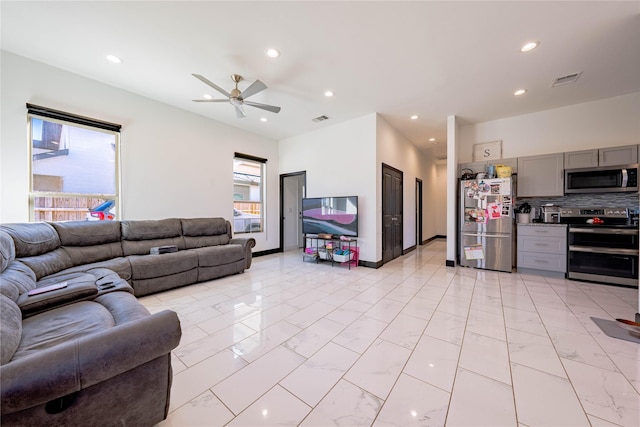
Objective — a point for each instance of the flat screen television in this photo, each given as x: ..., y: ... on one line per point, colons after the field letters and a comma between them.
x: 331, y: 215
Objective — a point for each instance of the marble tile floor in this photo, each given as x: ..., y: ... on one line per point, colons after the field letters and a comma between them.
x: 413, y: 343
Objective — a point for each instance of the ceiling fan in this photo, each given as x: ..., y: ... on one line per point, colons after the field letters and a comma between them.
x: 237, y: 98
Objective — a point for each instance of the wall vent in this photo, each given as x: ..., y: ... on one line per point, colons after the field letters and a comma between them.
x: 570, y: 78
x: 320, y: 118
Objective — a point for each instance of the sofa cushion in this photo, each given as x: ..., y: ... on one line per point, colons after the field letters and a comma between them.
x: 151, y: 229
x: 87, y: 233
x: 62, y: 325
x: 7, y: 250
x: 33, y: 238
x: 80, y: 255
x: 152, y: 266
x: 204, y: 226
x: 48, y: 263
x: 212, y: 256
x: 10, y: 328
x: 138, y: 237
x: 17, y: 278
x: 120, y: 266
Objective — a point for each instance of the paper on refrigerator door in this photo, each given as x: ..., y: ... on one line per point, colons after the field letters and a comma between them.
x: 474, y: 252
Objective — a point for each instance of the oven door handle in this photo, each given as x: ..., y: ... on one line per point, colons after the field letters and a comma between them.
x: 610, y: 251
x: 604, y: 231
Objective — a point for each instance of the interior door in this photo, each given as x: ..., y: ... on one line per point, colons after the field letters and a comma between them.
x: 292, y: 191
x: 391, y: 213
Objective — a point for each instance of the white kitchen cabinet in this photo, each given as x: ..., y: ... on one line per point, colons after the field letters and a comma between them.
x: 613, y: 156
x: 581, y: 159
x: 542, y: 249
x: 610, y: 156
x: 541, y: 175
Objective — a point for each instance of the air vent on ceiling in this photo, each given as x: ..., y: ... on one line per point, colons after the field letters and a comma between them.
x: 441, y: 158
x: 320, y: 118
x: 564, y: 80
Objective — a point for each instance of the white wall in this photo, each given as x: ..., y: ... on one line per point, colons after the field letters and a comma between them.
x: 396, y: 151
x: 440, y: 199
x: 339, y: 161
x: 605, y: 123
x: 173, y: 163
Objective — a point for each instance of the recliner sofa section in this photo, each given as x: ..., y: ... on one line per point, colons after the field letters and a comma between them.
x: 80, y: 358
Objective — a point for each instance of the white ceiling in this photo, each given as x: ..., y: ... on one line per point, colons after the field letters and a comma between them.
x: 428, y: 58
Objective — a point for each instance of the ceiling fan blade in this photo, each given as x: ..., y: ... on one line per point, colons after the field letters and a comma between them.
x: 254, y: 88
x: 213, y: 85
x: 210, y: 100
x: 271, y: 108
x: 240, y: 112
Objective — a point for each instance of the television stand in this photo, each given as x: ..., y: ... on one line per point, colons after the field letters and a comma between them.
x: 332, y: 249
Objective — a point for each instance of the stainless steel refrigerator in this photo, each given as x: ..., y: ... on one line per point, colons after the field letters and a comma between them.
x: 486, y: 223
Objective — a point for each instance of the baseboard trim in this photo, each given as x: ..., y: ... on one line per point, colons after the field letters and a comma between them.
x: 450, y: 263
x: 267, y: 252
x: 431, y: 239
x: 370, y: 264
x: 409, y: 249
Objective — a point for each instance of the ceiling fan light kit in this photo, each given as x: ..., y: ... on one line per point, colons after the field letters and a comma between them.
x: 236, y: 97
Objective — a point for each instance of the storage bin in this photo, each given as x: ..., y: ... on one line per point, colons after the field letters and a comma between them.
x: 503, y: 171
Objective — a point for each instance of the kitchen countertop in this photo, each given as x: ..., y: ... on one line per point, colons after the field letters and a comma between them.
x: 542, y: 224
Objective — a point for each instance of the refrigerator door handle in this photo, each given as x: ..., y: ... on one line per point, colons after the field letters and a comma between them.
x: 486, y: 235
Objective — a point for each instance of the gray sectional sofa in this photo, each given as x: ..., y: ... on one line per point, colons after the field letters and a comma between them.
x: 96, y: 249
x: 89, y: 353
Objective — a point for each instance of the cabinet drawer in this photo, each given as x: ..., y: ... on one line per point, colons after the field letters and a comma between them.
x: 542, y: 261
x: 551, y: 245
x: 541, y: 231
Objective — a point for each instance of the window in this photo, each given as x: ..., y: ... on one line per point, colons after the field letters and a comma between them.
x: 248, y: 179
x: 74, y: 167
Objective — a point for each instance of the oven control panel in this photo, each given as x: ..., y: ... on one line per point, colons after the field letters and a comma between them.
x: 594, y: 212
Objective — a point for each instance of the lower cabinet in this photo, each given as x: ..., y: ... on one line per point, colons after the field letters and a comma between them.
x: 542, y: 249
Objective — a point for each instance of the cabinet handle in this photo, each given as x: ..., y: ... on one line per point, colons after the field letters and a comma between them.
x: 540, y: 261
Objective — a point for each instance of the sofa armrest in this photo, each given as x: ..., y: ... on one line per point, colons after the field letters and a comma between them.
x: 81, y: 363
x: 248, y: 243
x: 73, y: 292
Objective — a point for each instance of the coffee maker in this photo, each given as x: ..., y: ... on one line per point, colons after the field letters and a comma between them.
x: 550, y: 214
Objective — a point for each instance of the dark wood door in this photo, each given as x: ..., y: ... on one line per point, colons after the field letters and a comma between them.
x: 391, y: 213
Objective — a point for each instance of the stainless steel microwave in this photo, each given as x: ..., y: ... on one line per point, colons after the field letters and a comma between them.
x: 601, y: 180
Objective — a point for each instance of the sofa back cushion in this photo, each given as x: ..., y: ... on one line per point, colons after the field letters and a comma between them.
x: 10, y: 328
x: 200, y: 232
x: 90, y: 241
x: 16, y: 280
x: 138, y: 237
x: 32, y: 239
x: 7, y: 250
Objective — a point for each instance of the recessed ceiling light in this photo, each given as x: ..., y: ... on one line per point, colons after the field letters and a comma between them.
x: 328, y: 93
x: 529, y: 46
x: 207, y: 96
x: 273, y: 53
x: 414, y: 117
x: 520, y: 92
x: 432, y: 140
x: 114, y: 59
x: 264, y: 119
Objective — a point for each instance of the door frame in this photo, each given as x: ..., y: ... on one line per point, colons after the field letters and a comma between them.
x: 419, y: 202
x: 281, y: 220
x: 401, y: 195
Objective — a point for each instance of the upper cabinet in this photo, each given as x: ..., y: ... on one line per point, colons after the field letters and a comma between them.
x: 541, y: 175
x: 581, y: 159
x: 610, y: 156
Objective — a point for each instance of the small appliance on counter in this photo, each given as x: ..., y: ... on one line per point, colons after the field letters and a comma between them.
x: 550, y: 214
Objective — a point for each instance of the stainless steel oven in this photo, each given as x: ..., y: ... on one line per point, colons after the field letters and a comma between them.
x: 604, y: 249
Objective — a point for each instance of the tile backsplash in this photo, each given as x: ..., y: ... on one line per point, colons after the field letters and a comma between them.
x: 591, y: 200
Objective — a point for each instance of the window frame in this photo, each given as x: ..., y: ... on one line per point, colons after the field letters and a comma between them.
x: 262, y: 191
x: 60, y: 117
